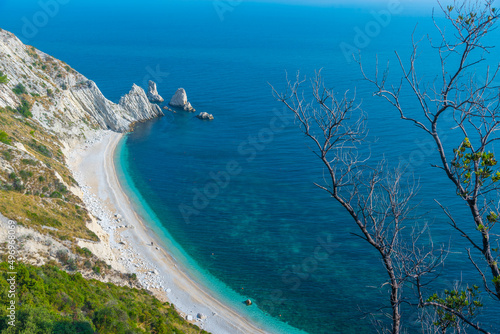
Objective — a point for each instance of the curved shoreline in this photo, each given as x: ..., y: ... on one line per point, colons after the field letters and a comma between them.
x: 96, y: 165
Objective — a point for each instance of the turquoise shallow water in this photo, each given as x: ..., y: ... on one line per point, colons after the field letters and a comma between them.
x: 215, y: 286
x: 262, y: 230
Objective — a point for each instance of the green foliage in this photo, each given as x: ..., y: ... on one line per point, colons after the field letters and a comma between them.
x: 62, y: 256
x: 19, y: 89
x: 3, y: 78
x: 25, y: 108
x: 474, y: 167
x: 4, y: 138
x: 42, y: 149
x: 72, y: 265
x: 29, y: 162
x: 475, y: 170
x: 464, y: 302
x: 42, y: 219
x: 84, y: 251
x: 17, y: 184
x: 53, y: 301
x: 96, y: 269
x: 55, y: 194
x: 7, y: 155
x: 61, y: 188
x: 25, y: 174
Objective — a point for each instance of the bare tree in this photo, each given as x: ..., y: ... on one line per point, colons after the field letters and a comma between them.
x: 471, y: 103
x: 377, y: 199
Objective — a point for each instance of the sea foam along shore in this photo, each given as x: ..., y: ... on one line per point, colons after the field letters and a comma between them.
x: 130, y: 240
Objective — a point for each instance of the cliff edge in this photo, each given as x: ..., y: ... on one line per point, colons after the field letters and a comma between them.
x: 62, y: 100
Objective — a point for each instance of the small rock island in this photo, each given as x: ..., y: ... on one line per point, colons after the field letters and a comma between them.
x: 180, y: 100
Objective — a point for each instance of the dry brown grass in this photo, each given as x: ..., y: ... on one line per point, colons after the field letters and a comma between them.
x: 30, y: 191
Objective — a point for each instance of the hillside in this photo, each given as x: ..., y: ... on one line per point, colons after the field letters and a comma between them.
x: 53, y: 301
x: 48, y: 109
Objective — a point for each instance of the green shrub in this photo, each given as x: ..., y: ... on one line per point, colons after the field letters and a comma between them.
x: 41, y: 149
x: 25, y: 174
x: 84, y: 251
x: 25, y: 108
x: 52, y: 301
x: 18, y: 185
x: 42, y: 219
x: 56, y: 194
x: 62, y: 256
x: 6, y: 155
x: 4, y: 138
x: 3, y: 78
x: 61, y: 188
x: 29, y: 162
x: 97, y: 270
x: 72, y: 264
x: 19, y: 89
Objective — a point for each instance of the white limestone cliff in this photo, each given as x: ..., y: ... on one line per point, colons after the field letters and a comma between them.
x: 64, y: 101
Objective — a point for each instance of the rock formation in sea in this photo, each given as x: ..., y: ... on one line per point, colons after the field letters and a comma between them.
x: 138, y: 106
x: 63, y: 100
x: 205, y: 116
x: 180, y: 100
x: 153, y: 95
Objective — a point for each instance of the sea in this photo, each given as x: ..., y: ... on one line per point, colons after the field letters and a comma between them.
x: 235, y: 199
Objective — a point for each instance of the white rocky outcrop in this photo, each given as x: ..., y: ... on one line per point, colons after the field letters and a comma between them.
x: 66, y: 102
x: 137, y: 105
x: 180, y: 100
x: 205, y: 116
x: 153, y: 95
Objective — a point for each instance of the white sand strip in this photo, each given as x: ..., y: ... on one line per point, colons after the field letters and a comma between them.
x: 130, y: 240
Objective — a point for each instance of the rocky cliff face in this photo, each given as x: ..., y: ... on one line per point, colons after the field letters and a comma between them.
x: 63, y: 100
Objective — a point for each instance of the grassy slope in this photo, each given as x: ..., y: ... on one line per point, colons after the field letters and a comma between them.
x: 53, y: 301
x: 30, y: 192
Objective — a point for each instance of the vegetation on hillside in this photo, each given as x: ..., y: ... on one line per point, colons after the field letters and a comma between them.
x: 3, y: 78
x: 50, y: 300
x: 34, y: 185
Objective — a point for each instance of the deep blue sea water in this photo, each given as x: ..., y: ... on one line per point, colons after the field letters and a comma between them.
x: 259, y: 232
